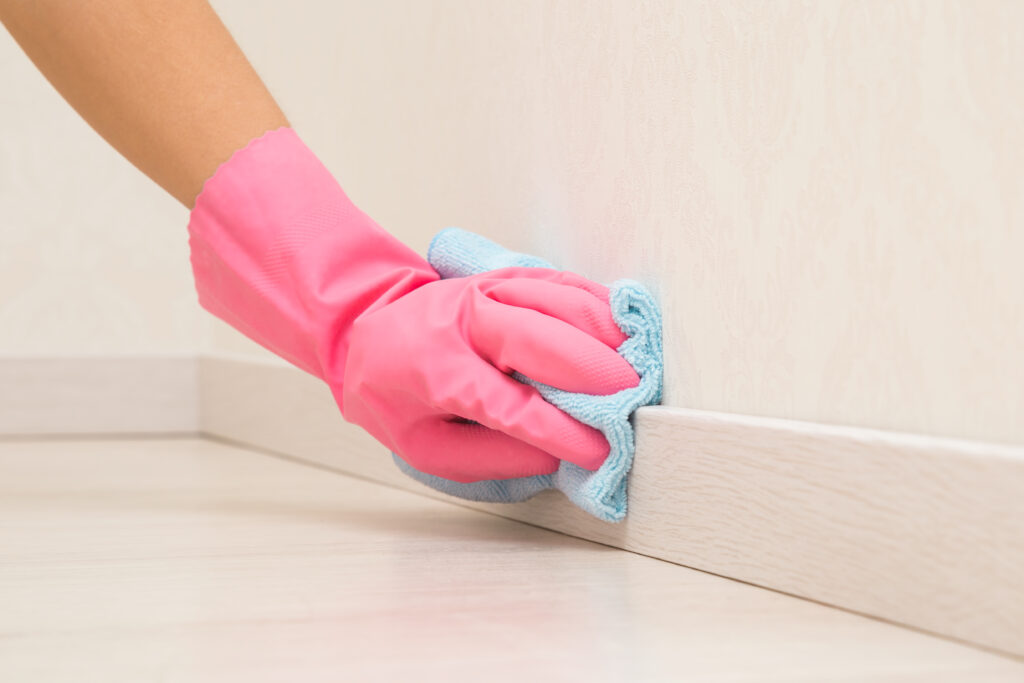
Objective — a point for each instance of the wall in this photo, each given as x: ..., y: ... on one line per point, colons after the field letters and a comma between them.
x: 827, y: 197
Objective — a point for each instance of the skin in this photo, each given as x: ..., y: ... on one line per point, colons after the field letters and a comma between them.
x: 161, y: 80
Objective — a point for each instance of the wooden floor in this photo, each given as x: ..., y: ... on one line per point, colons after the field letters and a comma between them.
x: 190, y: 560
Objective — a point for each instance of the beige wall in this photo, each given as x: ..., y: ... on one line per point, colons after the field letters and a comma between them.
x: 827, y: 197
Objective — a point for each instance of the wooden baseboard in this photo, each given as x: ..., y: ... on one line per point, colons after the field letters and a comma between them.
x: 99, y: 395
x: 921, y: 531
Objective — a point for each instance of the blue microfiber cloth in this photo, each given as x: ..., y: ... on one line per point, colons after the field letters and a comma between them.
x: 457, y: 253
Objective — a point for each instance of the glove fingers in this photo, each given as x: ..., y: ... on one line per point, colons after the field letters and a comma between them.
x: 547, y: 350
x: 467, y: 452
x: 562, y: 277
x: 482, y: 393
x: 578, y: 307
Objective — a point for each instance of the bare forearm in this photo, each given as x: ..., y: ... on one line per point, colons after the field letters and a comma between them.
x: 161, y: 80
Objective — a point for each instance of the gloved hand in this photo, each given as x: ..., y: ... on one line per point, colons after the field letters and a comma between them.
x: 421, y: 366
x: 280, y: 253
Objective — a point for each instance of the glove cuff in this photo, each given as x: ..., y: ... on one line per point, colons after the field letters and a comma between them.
x: 280, y: 253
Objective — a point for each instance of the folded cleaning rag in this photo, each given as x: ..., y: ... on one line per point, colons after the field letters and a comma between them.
x: 457, y: 253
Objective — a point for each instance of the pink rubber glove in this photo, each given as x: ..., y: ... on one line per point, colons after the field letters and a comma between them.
x: 280, y: 253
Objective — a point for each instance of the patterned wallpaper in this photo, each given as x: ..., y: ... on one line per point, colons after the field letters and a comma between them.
x: 827, y: 197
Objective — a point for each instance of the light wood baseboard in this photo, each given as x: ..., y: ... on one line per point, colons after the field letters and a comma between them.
x: 99, y: 395
x: 922, y: 531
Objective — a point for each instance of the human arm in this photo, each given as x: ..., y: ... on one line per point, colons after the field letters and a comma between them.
x: 281, y: 253
x: 163, y: 82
